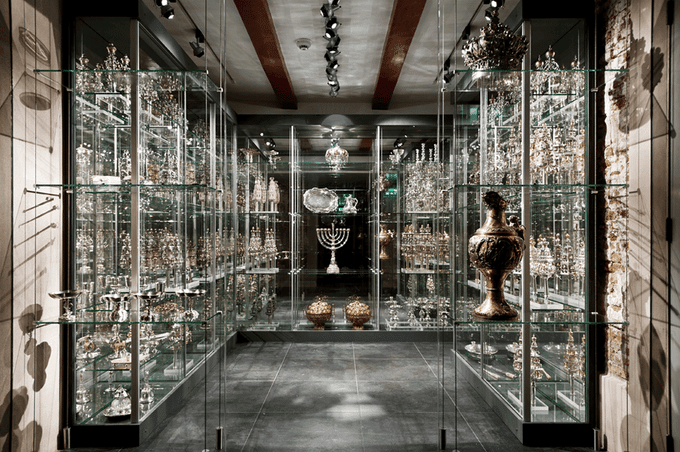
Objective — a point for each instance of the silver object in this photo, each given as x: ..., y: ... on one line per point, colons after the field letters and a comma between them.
x: 332, y: 239
x: 320, y: 200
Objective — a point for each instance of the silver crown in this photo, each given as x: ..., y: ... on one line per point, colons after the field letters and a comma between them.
x: 497, y: 47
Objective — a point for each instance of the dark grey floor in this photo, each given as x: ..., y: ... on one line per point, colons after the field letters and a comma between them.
x: 335, y: 396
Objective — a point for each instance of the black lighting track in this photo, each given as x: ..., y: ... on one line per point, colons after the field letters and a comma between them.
x: 333, y: 41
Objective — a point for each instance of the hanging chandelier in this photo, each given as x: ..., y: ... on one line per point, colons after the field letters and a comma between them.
x: 336, y: 157
x: 497, y: 47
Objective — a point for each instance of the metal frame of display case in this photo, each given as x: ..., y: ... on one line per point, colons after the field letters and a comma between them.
x: 523, y: 413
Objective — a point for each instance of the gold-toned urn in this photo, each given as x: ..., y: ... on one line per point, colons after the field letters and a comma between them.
x: 357, y: 313
x: 385, y: 237
x: 319, y: 312
x: 495, y: 249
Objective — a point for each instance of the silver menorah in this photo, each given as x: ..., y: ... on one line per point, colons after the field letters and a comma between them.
x: 333, y: 239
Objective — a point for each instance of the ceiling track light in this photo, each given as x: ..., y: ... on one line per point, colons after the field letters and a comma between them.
x: 331, y: 35
x: 199, y: 51
x: 328, y: 10
x: 334, y: 42
x: 168, y: 11
x: 332, y: 23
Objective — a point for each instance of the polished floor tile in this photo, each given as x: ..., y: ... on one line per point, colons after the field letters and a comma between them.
x: 406, y: 432
x: 246, y: 396
x: 310, y: 397
x: 306, y: 432
x: 399, y: 397
x: 397, y: 369
x: 387, y: 350
x: 319, y: 369
x: 337, y: 350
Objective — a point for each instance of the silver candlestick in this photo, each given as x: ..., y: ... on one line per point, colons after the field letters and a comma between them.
x: 332, y: 239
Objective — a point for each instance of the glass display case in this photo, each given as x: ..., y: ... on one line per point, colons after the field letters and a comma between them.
x: 342, y: 228
x: 333, y: 228
x: 150, y: 210
x: 413, y: 243
x: 260, y: 240
x: 524, y: 290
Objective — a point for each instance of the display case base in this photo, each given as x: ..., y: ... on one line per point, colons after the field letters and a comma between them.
x: 176, y: 370
x: 133, y: 434
x: 571, y: 399
x: 538, y: 406
x: 264, y: 326
x: 345, y: 336
x: 529, y: 433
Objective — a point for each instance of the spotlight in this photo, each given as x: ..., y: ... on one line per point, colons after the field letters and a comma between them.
x: 161, y: 2
x: 497, y: 3
x: 269, y: 142
x: 328, y: 10
x: 332, y: 23
x: 331, y: 58
x: 399, y: 142
x: 329, y: 34
x: 333, y: 42
x: 168, y: 11
x: 199, y: 51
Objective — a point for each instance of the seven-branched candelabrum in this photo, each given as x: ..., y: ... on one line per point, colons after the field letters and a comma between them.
x: 333, y: 239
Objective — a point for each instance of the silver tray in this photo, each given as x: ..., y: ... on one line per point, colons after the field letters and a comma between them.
x: 476, y: 349
x: 110, y: 413
x: 320, y: 200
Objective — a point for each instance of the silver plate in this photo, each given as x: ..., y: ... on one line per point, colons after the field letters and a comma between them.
x: 476, y: 349
x: 320, y: 200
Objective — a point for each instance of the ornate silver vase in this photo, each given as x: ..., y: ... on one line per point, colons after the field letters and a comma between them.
x: 495, y: 249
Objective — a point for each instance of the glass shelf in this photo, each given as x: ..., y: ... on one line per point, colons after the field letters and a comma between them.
x: 128, y: 322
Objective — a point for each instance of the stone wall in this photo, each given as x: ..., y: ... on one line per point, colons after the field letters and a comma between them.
x: 635, y: 150
x: 612, y: 167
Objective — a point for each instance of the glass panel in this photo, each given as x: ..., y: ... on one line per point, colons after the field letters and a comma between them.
x: 260, y: 235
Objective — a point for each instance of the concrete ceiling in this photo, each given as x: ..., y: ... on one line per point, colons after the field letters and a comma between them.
x: 233, y: 62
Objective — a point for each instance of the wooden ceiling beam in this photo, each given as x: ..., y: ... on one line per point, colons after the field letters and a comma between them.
x: 403, y: 23
x: 258, y: 21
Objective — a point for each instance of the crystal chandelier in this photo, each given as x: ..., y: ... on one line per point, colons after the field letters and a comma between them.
x: 336, y: 157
